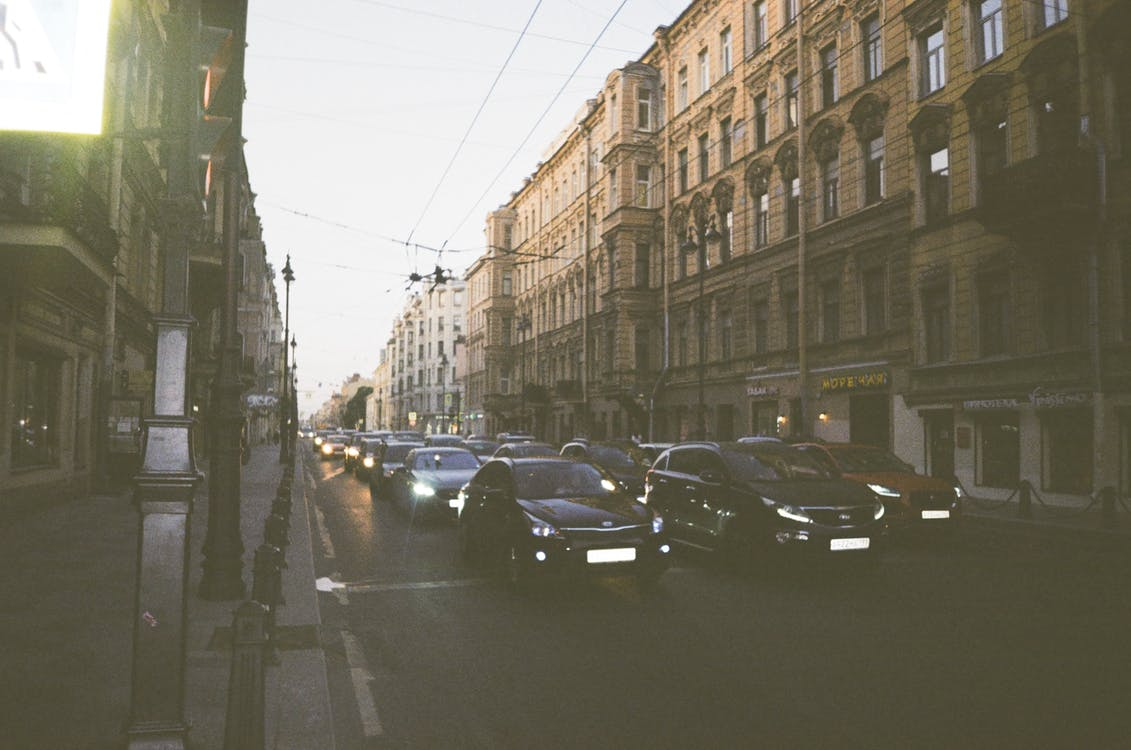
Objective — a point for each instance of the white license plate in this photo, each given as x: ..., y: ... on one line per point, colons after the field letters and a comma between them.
x: 932, y: 514
x: 850, y: 543
x: 627, y: 554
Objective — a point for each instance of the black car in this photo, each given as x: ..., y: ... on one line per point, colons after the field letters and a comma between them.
x: 430, y: 479
x: 368, y: 454
x: 743, y: 498
x: 550, y: 515
x: 524, y: 450
x: 334, y: 445
x: 442, y: 438
x: 388, y: 458
x: 480, y: 446
x: 621, y: 459
x: 353, y: 449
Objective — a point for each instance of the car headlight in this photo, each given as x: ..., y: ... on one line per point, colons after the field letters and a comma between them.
x: 657, y: 523
x: 958, y: 491
x: 420, y: 489
x: 353, y: 452
x: 327, y: 448
x: 788, y: 512
x: 878, y: 511
x: 540, y: 528
x: 367, y: 462
x: 318, y: 441
x: 883, y: 490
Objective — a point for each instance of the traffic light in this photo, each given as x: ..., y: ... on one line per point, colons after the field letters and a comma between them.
x: 217, y: 101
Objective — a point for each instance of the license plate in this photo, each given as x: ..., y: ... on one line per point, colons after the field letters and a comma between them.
x: 932, y: 514
x: 627, y: 554
x: 850, y: 543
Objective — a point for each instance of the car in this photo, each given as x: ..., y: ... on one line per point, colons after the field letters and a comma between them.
x: 515, y: 437
x: 353, y: 449
x: 550, y: 517
x: 390, y: 456
x: 760, y: 439
x: 407, y: 436
x: 911, y: 499
x: 749, y: 499
x: 623, y: 459
x: 443, y: 439
x: 480, y: 446
x: 319, y: 438
x: 524, y: 450
x: 651, y: 451
x: 367, y: 457
x: 430, y: 479
x: 333, y: 446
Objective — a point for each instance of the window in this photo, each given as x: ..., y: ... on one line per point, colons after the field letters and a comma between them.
x: 1067, y: 441
x: 727, y: 240
x: 681, y: 89
x: 644, y: 108
x: 681, y: 343
x: 760, y: 35
x: 704, y: 71
x: 726, y: 335
x: 993, y: 313
x: 640, y: 268
x: 873, y: 170
x: 999, y: 450
x: 762, y: 219
x: 1051, y: 12
x: 35, y: 393
x: 791, y: 100
x: 937, y: 184
x: 830, y: 90
x: 613, y: 114
x: 507, y: 284
x: 643, y: 360
x: 936, y: 322
x: 761, y: 133
x: 789, y: 8
x: 614, y: 193
x: 1064, y: 305
x: 703, y: 157
x: 830, y: 311
x: 725, y: 45
x: 792, y: 206
x: 987, y: 21
x: 790, y: 311
x: 643, y: 185
x: 683, y: 170
x: 932, y: 51
x: 874, y: 292
x: 725, y: 143
x: 873, y: 49
x: 760, y: 325
x: 990, y: 136
x: 830, y: 177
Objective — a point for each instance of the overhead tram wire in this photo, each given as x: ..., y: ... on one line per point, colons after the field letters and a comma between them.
x: 538, y: 122
x: 471, y: 125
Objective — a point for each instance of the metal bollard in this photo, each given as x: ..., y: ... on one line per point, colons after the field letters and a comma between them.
x: 244, y: 721
x: 1107, y: 507
x: 276, y: 531
x: 1025, y: 499
x: 267, y: 589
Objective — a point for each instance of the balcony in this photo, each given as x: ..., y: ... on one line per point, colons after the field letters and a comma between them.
x: 1051, y: 196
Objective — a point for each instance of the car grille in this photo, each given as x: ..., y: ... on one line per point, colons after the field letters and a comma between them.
x: 622, y: 535
x: 854, y: 516
x: 930, y: 499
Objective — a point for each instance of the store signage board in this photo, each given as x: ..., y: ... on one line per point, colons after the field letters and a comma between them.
x: 53, y: 65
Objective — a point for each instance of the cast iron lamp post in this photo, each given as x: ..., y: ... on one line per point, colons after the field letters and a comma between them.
x: 292, y: 412
x: 442, y: 407
x: 690, y: 245
x: 285, y: 453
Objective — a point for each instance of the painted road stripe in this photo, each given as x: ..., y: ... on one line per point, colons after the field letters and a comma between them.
x: 359, y: 674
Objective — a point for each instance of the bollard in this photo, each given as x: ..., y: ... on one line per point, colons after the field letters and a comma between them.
x: 244, y: 721
x: 276, y: 531
x: 1107, y: 507
x: 1025, y: 500
x: 282, y: 508
x: 267, y: 589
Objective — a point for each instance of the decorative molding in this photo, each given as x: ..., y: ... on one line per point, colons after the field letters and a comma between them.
x: 826, y: 138
x: 758, y: 175
x: 724, y: 101
x: 930, y: 128
x: 868, y: 115
x: 786, y: 159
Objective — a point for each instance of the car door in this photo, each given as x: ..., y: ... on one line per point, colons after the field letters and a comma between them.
x: 709, y: 505
x: 487, y: 505
x: 679, y: 490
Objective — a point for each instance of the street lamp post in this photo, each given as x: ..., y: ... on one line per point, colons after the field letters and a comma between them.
x: 523, y: 324
x: 443, y: 407
x: 285, y: 454
x: 700, y: 246
x: 293, y: 411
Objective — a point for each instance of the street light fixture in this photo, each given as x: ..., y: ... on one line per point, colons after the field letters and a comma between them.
x: 285, y: 454
x: 691, y: 245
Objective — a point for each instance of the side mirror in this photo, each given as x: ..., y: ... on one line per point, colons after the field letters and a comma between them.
x: 711, y: 477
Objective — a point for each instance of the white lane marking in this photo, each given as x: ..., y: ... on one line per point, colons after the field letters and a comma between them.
x: 368, y: 588
x: 323, y: 534
x: 359, y: 674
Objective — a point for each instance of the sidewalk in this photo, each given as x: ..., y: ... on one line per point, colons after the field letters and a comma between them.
x: 1087, y: 517
x: 66, y: 624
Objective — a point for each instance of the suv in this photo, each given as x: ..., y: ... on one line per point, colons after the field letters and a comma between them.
x: 621, y: 458
x: 741, y: 498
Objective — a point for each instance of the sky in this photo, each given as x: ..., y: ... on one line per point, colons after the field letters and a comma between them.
x: 381, y: 134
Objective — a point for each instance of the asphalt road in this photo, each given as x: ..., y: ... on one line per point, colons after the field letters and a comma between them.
x: 990, y: 638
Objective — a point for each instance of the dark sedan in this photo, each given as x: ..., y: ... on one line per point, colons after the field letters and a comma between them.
x: 550, y: 515
x: 431, y: 478
x: 747, y: 498
x: 482, y: 447
x: 388, y: 459
x: 623, y: 460
x: 524, y: 450
x: 334, y: 446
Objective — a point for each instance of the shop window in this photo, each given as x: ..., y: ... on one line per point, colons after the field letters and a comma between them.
x: 1066, y: 440
x: 764, y: 418
x: 999, y: 450
x: 35, y: 395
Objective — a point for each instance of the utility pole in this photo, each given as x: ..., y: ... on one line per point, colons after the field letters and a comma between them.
x: 164, y: 489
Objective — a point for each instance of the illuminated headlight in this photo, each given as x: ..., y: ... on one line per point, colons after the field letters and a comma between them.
x: 788, y: 512
x: 327, y: 449
x: 540, y: 528
x: 352, y: 452
x: 420, y: 489
x: 367, y: 462
x: 459, y: 501
x: 958, y: 492
x: 884, y: 490
x: 657, y: 523
x: 878, y: 511
x: 318, y: 441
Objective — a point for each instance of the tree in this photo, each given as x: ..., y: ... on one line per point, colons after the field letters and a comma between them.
x: 354, y: 413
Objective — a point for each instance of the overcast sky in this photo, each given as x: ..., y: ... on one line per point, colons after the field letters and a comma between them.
x: 356, y: 108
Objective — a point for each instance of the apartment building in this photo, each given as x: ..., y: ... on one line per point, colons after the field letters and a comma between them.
x: 868, y: 221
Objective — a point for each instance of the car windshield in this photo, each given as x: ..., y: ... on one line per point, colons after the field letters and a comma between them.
x: 612, y: 457
x: 372, y: 445
x: 772, y: 462
x: 532, y: 449
x: 396, y: 453
x: 864, y: 460
x: 431, y: 461
x: 541, y: 481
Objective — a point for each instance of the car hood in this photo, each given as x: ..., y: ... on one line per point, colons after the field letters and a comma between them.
x: 445, y: 479
x: 903, y: 481
x: 607, y: 511
x: 816, y: 493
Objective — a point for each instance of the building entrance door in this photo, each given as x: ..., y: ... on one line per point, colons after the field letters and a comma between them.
x: 869, y: 422
x: 939, y: 426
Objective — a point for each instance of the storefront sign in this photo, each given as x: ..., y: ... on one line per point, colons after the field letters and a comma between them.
x: 980, y: 404
x: 855, y: 381
x: 761, y: 391
x: 1042, y: 399
x: 53, y: 65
